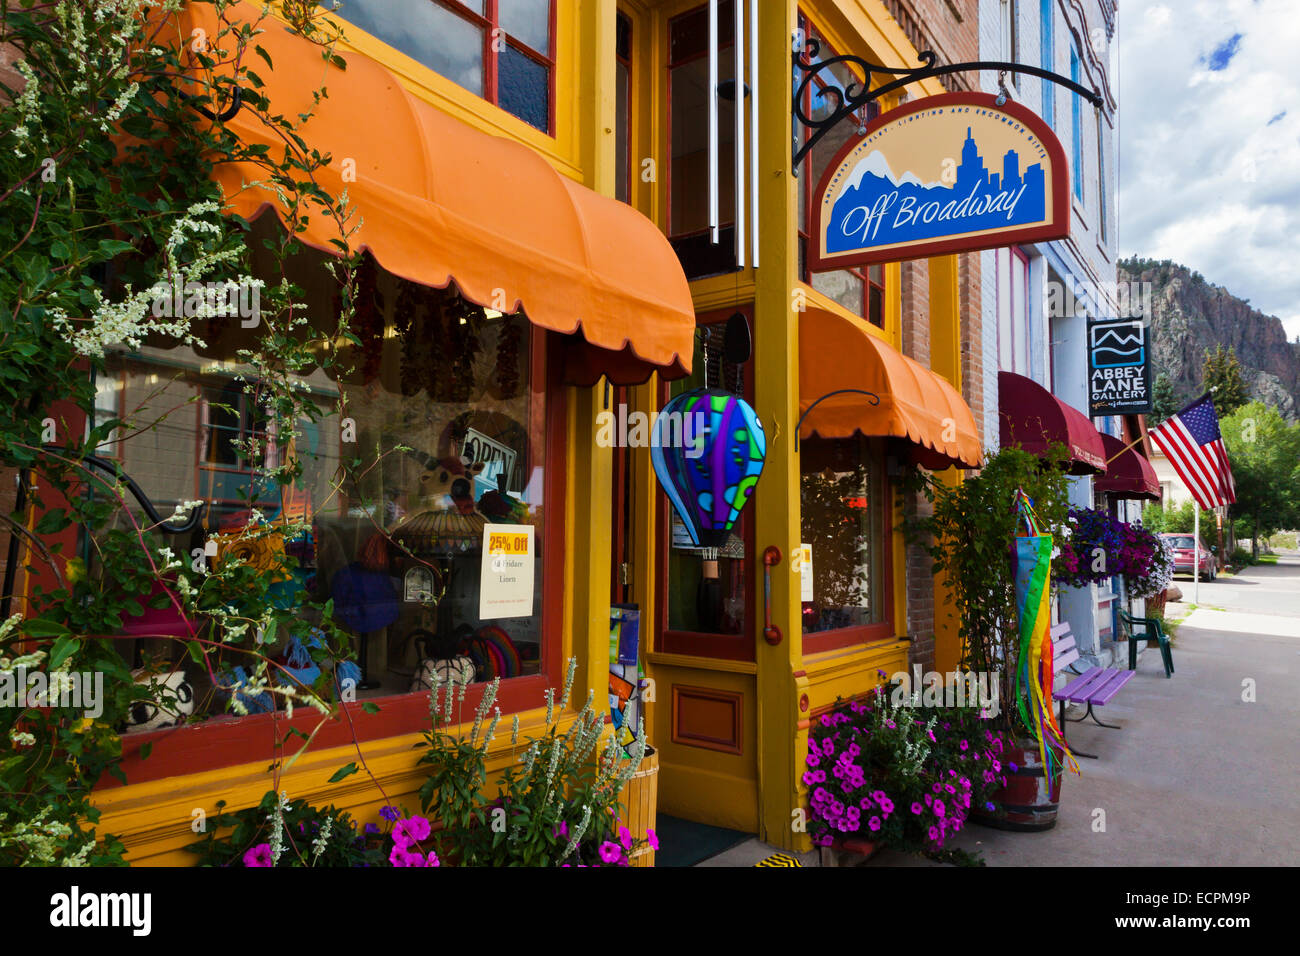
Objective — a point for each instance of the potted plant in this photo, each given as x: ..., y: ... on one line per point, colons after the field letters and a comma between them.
x: 972, y: 533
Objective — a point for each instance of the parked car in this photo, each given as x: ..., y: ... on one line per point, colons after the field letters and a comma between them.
x: 1181, y: 545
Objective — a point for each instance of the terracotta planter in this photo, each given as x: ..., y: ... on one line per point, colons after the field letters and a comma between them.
x: 1030, y: 799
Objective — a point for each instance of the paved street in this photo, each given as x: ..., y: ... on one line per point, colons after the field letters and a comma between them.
x: 1196, y: 776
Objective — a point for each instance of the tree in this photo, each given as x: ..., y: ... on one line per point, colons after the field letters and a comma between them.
x: 1264, y: 452
x: 1164, y: 401
x: 1221, y: 374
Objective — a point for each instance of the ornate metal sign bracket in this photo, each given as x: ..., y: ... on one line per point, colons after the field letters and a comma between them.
x: 855, y: 96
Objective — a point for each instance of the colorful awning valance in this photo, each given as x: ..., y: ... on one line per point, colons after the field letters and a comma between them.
x: 1033, y: 418
x: 916, y: 404
x: 440, y: 201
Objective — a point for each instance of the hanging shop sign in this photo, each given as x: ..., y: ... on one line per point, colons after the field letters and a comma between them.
x: 943, y: 174
x: 506, y: 585
x: 1119, y: 368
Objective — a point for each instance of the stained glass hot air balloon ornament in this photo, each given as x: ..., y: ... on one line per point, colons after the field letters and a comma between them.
x: 708, y: 449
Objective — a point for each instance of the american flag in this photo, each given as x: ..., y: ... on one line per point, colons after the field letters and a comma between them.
x: 1194, y: 446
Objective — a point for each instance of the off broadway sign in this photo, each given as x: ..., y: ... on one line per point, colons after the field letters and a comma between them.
x: 1119, y: 368
x: 948, y: 173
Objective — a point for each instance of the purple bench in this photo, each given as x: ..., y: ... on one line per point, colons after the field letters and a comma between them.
x: 1094, y: 687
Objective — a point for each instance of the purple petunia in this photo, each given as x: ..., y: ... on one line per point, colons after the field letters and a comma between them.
x: 610, y: 852
x: 259, y: 855
x: 391, y: 814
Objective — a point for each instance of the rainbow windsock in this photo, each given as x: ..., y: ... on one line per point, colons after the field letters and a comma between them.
x: 1033, y: 681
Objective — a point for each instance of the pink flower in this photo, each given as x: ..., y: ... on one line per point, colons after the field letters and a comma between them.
x: 874, y: 823
x: 259, y: 855
x: 917, y: 808
x: 610, y: 852
x: 409, y: 832
x: 625, y: 837
x: 652, y: 839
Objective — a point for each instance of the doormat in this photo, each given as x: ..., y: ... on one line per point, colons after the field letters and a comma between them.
x: 685, y: 843
x: 779, y: 859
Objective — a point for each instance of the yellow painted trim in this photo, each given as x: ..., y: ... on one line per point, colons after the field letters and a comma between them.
x: 157, y: 819
x: 865, y: 28
x: 662, y: 659
x: 820, y: 300
x: 562, y: 149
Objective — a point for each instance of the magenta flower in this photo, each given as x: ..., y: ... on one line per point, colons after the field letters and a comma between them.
x: 965, y: 745
x: 610, y: 852
x: 874, y: 823
x: 917, y: 808
x: 625, y: 837
x: 259, y: 855
x: 938, y: 808
x: 652, y: 839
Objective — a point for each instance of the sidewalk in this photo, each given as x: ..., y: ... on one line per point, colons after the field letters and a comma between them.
x: 1197, y: 776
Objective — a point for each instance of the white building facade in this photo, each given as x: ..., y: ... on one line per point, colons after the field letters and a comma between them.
x: 1038, y: 298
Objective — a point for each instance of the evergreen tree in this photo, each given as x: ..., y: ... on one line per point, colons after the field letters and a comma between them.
x: 1221, y: 373
x: 1164, y: 401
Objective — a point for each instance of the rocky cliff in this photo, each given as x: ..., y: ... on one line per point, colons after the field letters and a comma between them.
x: 1190, y: 315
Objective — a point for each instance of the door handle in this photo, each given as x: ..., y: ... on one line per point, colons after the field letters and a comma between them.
x: 771, y: 558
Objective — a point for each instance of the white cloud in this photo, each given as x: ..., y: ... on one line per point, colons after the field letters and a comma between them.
x: 1210, y: 175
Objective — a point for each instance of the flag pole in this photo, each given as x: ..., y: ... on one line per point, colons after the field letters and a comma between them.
x: 1196, y: 553
x: 1124, y: 449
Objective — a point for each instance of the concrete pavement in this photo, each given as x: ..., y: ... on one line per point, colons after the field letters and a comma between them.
x: 1205, y: 770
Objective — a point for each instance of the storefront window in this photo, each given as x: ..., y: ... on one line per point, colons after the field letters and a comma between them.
x: 843, y: 521
x: 501, y: 51
x: 688, y: 143
x: 860, y: 290
x: 444, y: 434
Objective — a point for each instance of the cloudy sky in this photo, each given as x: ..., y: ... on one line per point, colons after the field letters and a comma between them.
x: 1210, y: 143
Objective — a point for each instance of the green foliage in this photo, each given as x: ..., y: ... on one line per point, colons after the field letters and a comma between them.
x: 970, y: 534
x: 1221, y: 374
x: 309, y: 836
x: 1180, y: 519
x: 892, y: 771
x: 1264, y: 451
x: 1165, y: 401
x: 106, y: 195
x: 555, y: 803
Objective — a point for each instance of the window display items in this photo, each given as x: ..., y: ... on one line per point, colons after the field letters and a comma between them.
x: 176, y: 698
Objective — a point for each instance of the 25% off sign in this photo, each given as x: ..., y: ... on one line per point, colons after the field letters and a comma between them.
x: 506, y: 588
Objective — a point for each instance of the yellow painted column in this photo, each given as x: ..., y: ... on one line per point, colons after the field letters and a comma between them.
x: 588, y: 497
x: 945, y: 360
x: 776, y: 342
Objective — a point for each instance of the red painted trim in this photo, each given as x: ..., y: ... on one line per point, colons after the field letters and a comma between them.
x: 1057, y: 228
x: 229, y: 741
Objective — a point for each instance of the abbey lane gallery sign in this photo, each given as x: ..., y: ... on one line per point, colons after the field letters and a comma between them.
x: 949, y: 173
x: 1119, y: 368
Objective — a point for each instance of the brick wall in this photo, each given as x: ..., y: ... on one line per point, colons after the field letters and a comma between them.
x: 948, y: 27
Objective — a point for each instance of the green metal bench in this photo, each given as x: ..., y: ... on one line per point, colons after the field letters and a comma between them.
x: 1152, y: 632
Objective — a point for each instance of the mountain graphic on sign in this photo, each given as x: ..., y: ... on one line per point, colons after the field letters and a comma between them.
x: 879, y: 207
x: 1112, y: 347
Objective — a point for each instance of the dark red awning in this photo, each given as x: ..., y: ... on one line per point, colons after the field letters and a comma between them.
x: 1033, y: 418
x: 1128, y: 473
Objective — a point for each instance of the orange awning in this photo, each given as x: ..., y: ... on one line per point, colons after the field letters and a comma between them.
x: 442, y: 201
x: 915, y: 403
